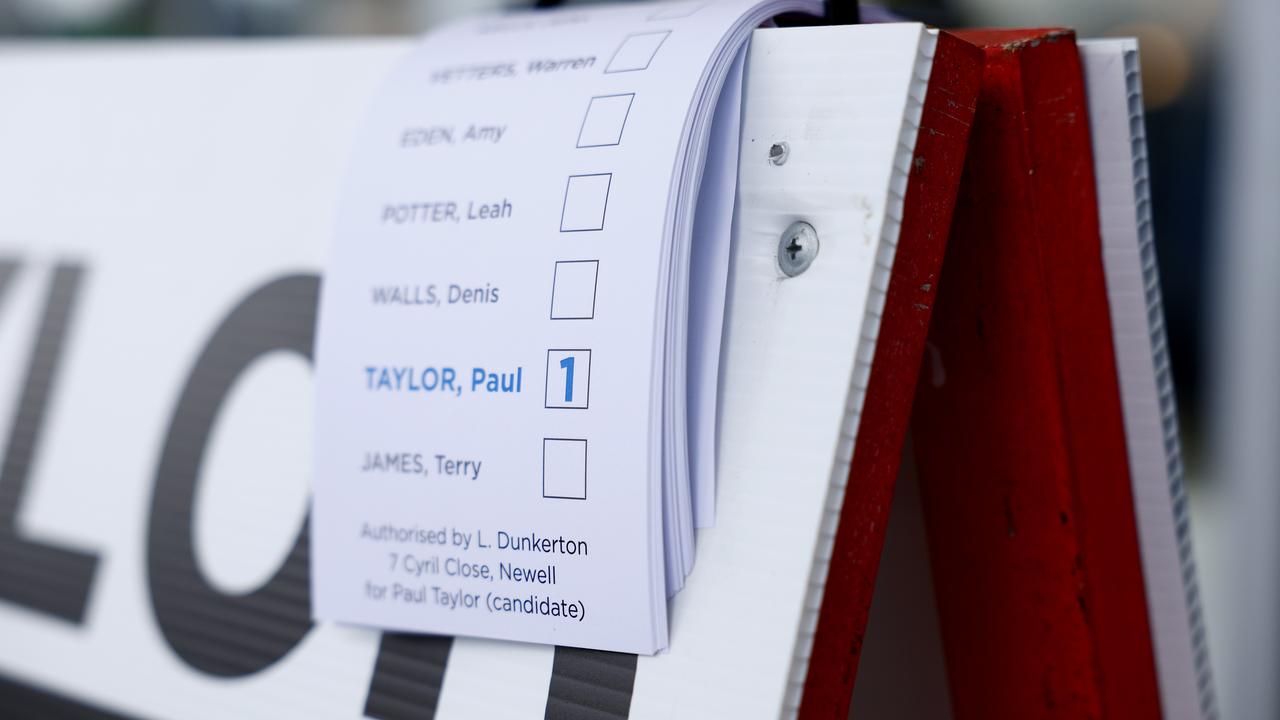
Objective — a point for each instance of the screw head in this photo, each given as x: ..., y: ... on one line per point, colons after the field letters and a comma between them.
x: 779, y: 152
x: 797, y: 248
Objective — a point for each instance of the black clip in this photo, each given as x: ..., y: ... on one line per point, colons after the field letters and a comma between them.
x: 841, y: 12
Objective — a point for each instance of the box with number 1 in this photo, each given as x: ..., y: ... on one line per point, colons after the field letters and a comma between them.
x: 568, y: 379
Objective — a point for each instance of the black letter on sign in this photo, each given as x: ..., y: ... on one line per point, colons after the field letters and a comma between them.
x: 227, y: 635
x: 407, y: 677
x: 42, y: 577
x: 590, y: 684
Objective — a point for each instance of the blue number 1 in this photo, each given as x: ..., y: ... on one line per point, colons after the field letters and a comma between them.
x: 567, y: 364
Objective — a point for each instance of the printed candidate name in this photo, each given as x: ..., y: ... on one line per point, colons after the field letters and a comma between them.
x: 443, y: 380
x: 476, y: 72
x: 436, y: 135
x: 432, y: 294
x: 444, y: 211
x: 416, y: 463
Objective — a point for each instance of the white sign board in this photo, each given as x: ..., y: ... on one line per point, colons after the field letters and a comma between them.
x: 165, y: 217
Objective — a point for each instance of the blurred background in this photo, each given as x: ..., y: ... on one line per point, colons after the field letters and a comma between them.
x: 1212, y: 90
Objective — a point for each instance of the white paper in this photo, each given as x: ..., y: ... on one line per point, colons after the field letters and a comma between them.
x: 709, y: 277
x: 491, y: 350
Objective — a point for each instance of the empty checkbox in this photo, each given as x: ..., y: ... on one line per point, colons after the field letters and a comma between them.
x: 564, y: 468
x: 636, y: 52
x: 568, y: 379
x: 585, y: 200
x: 573, y: 290
x: 605, y: 119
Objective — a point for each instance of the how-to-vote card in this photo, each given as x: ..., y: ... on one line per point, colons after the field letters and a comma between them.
x: 500, y: 427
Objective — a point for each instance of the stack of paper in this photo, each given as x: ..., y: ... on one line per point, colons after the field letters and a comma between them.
x: 517, y: 376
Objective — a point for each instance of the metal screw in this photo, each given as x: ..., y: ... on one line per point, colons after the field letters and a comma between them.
x: 779, y: 152
x: 797, y: 248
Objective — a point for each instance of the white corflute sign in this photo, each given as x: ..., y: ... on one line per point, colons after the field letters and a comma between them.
x: 1116, y: 123
x: 167, y: 213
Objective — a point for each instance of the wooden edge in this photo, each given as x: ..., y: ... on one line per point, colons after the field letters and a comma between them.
x: 1022, y: 464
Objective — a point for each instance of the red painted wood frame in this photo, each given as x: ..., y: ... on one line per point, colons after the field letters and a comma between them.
x: 1018, y: 432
